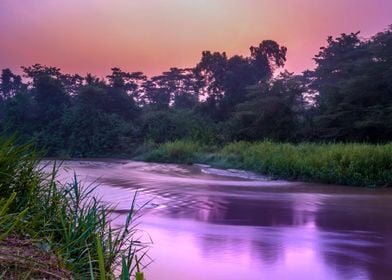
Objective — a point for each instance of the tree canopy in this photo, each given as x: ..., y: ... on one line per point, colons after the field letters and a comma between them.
x: 346, y: 97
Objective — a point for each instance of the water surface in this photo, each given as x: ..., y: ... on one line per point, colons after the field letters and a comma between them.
x: 212, y: 224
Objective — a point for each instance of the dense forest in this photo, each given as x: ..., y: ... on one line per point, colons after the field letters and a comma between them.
x: 346, y: 98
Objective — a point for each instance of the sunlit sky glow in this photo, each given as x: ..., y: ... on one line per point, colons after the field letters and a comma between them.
x: 153, y: 35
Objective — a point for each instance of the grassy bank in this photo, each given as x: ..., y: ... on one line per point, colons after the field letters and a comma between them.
x: 50, y: 230
x: 347, y: 164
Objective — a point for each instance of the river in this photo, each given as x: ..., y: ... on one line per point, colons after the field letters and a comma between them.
x: 213, y: 224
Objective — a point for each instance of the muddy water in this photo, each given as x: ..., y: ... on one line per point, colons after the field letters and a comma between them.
x: 212, y: 224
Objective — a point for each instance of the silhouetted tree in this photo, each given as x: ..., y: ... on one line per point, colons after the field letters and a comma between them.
x: 10, y: 84
x: 267, y: 57
x: 273, y: 111
x: 354, y: 90
x: 225, y: 81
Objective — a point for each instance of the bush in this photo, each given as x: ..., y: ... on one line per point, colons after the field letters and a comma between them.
x: 178, y: 151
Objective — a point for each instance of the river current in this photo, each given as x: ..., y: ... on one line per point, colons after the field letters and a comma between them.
x: 207, y: 223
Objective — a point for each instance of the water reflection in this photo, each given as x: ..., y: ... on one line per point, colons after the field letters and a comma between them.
x: 220, y: 226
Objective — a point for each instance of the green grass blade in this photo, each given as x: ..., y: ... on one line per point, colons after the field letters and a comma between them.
x: 101, y: 262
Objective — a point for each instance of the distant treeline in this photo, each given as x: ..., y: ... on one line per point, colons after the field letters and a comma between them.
x: 346, y: 98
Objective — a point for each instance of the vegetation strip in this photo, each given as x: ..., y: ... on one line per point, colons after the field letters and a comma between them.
x: 347, y: 164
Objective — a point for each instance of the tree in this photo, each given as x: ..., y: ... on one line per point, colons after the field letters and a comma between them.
x: 50, y: 98
x: 18, y: 116
x: 354, y: 89
x: 155, y: 96
x: 131, y: 83
x: 10, y: 84
x: 169, y: 125
x: 91, y: 128
x: 176, y: 88
x: 225, y: 80
x: 273, y: 111
x: 37, y: 71
x: 267, y: 57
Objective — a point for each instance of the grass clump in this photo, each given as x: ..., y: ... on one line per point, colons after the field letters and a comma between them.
x: 179, y: 151
x: 64, y: 223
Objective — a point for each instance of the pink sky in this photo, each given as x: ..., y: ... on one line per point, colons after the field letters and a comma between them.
x: 153, y: 35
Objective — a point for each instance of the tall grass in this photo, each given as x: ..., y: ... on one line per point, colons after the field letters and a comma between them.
x: 347, y: 164
x: 65, y: 219
x: 179, y: 151
x: 8, y: 221
x: 82, y: 233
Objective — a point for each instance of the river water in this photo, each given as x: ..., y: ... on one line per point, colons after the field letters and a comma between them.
x: 212, y: 224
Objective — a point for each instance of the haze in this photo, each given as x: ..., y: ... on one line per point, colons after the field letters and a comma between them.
x: 152, y: 36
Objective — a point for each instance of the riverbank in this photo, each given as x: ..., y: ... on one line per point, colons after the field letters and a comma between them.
x: 55, y: 230
x: 21, y: 258
x: 363, y: 165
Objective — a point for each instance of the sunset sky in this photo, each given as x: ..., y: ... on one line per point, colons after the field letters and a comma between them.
x: 153, y: 35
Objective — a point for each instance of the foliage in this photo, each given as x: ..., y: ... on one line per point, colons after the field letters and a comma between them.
x: 177, y: 151
x: 164, y: 126
x: 17, y: 173
x: 93, y: 133
x: 278, y: 105
x: 346, y: 98
x: 348, y: 164
x: 352, y: 78
x: 9, y: 221
x: 65, y: 219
